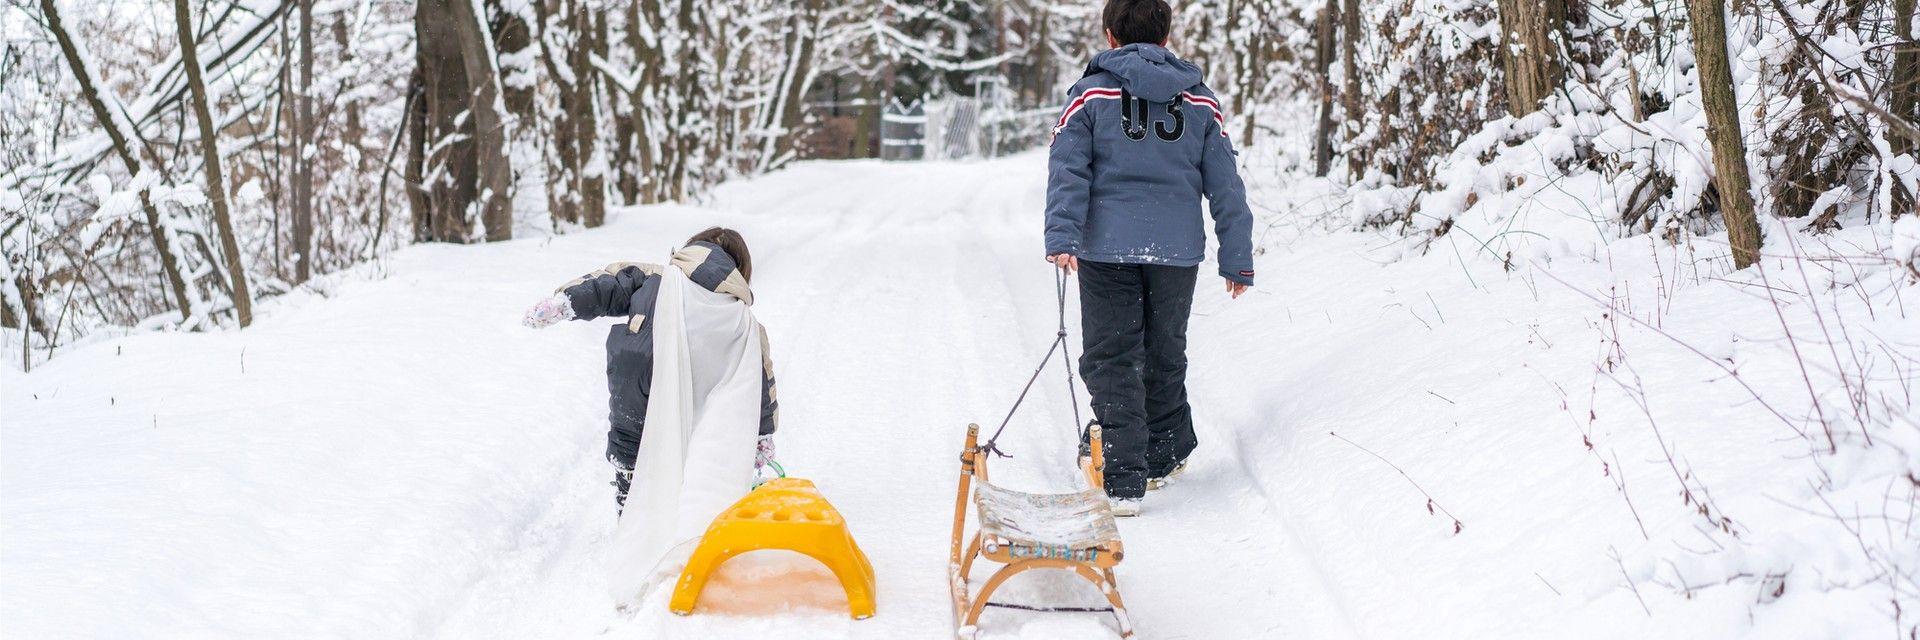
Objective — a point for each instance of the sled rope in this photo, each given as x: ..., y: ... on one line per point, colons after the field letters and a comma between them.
x: 1066, y: 362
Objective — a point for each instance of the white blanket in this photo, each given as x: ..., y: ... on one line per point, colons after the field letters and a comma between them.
x: 696, y: 453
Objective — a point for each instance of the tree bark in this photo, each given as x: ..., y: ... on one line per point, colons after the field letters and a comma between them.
x: 563, y: 170
x: 441, y: 163
x: 1323, y: 72
x: 512, y: 34
x: 89, y: 89
x: 210, y: 161
x: 1905, y: 100
x: 798, y: 75
x: 489, y: 123
x: 419, y: 200
x: 623, y: 160
x: 1905, y: 80
x: 1723, y: 129
x: 303, y: 152
x: 593, y: 170
x: 1528, y: 53
x: 642, y: 146
x: 1350, y: 97
x: 575, y: 176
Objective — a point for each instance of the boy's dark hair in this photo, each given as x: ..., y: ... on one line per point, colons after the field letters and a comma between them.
x: 731, y: 242
x: 1132, y: 21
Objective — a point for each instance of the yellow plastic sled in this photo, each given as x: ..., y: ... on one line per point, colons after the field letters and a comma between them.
x: 790, y: 514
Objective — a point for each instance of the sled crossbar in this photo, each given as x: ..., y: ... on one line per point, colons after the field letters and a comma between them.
x: 1028, y: 607
x: 1023, y: 531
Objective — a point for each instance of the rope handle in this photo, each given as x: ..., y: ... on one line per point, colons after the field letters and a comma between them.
x: 776, y: 468
x: 1066, y: 362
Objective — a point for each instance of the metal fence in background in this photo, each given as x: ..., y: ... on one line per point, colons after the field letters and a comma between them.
x: 903, y: 131
x: 985, y: 125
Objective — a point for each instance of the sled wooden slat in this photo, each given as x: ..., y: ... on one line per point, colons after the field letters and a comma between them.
x: 1024, y: 531
x: 1080, y: 520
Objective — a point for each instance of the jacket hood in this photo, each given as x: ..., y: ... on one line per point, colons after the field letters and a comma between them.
x: 709, y: 266
x: 1147, y: 70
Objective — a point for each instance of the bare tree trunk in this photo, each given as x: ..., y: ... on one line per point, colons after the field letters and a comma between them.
x: 441, y: 162
x: 642, y: 145
x: 511, y: 35
x: 1528, y: 54
x: 625, y: 176
x: 690, y: 88
x: 303, y: 152
x: 89, y: 90
x: 593, y: 181
x: 419, y: 204
x: 489, y: 122
x: 1350, y: 97
x: 1323, y: 72
x: 575, y: 180
x: 793, y: 113
x: 26, y: 335
x: 563, y: 172
x: 1904, y: 84
x: 352, y: 128
x: 210, y: 160
x: 867, y: 122
x: 1723, y: 129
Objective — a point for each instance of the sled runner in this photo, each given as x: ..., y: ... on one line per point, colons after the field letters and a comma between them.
x: 785, y: 513
x: 1022, y: 531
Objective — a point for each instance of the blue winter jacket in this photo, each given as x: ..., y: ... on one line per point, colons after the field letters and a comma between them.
x: 1140, y: 141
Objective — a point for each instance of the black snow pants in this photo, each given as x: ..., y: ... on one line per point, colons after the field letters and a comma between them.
x: 1133, y: 327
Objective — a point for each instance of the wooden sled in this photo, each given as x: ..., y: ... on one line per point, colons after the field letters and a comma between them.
x: 1022, y: 531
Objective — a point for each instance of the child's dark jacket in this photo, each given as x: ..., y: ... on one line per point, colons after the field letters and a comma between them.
x: 630, y: 289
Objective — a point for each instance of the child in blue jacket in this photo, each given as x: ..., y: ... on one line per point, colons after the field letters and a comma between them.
x: 1138, y: 145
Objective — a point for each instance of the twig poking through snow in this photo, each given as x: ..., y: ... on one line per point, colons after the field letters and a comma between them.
x: 1431, y: 503
x: 1543, y: 580
x: 1630, y: 585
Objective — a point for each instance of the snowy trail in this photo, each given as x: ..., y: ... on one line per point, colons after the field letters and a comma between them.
x: 392, y: 455
x: 905, y: 303
x: 403, y: 459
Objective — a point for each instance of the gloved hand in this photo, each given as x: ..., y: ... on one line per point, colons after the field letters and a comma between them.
x: 548, y: 312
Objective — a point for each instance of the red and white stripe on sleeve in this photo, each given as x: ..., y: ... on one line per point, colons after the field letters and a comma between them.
x: 1078, y: 103
x: 1211, y: 105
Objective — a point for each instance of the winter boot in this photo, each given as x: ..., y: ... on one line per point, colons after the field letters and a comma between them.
x: 622, y: 481
x: 1161, y: 481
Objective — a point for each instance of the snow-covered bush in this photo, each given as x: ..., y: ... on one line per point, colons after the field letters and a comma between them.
x: 1828, y: 374
x: 1620, y: 147
x: 78, y: 241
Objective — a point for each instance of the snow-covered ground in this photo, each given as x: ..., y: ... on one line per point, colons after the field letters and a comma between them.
x: 392, y: 455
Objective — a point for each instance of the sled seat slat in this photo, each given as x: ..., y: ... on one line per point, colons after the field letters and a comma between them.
x: 1074, y: 521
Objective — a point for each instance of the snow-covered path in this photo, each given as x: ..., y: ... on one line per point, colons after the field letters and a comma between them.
x: 907, y: 301
x: 462, y: 451
x: 392, y: 455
